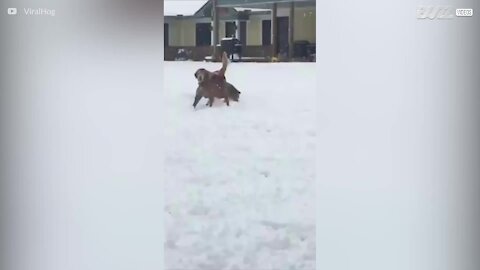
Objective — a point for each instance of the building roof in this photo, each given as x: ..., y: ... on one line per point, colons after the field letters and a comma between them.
x: 182, y: 7
x: 262, y: 4
x: 252, y: 9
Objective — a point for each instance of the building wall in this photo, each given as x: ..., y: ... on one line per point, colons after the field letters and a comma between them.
x: 221, y: 31
x: 254, y: 31
x: 305, y: 22
x: 304, y: 26
x: 182, y: 30
x: 188, y: 32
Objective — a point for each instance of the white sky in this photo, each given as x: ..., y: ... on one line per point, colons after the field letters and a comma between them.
x: 188, y: 7
x: 182, y: 7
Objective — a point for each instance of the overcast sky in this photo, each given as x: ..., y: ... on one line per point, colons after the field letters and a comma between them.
x: 182, y: 7
x: 188, y: 7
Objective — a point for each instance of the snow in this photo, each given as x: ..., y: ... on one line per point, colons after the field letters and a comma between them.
x: 240, y: 190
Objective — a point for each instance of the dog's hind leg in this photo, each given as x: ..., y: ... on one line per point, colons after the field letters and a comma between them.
x: 210, y: 101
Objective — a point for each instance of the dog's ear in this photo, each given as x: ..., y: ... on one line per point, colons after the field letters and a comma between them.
x: 196, y: 74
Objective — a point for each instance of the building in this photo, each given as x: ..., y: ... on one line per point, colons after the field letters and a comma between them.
x: 190, y: 25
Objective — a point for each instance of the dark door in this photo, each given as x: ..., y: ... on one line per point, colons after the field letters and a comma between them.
x: 165, y: 35
x: 203, y: 35
x: 282, y: 35
x: 230, y: 29
x: 243, y: 33
x: 266, y: 32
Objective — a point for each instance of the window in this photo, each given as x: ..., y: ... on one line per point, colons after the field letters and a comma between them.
x: 203, y: 34
x: 230, y: 29
x: 243, y: 33
x: 165, y: 35
x: 266, y: 32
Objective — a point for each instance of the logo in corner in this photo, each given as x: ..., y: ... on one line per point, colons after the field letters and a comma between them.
x: 12, y: 11
x: 435, y: 12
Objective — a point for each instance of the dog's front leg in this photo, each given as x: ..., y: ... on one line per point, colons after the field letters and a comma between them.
x: 227, y: 100
x: 197, y: 99
x: 198, y: 96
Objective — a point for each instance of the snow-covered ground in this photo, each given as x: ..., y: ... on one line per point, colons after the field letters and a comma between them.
x: 240, y: 188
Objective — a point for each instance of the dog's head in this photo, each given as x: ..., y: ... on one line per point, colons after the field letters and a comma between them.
x: 235, y: 97
x: 201, y: 75
x: 233, y: 93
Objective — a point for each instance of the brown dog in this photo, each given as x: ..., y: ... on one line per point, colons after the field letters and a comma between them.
x: 212, y: 85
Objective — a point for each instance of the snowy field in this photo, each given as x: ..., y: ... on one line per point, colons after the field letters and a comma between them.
x: 240, y: 189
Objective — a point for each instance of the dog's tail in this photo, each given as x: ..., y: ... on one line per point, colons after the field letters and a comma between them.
x: 224, y: 64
